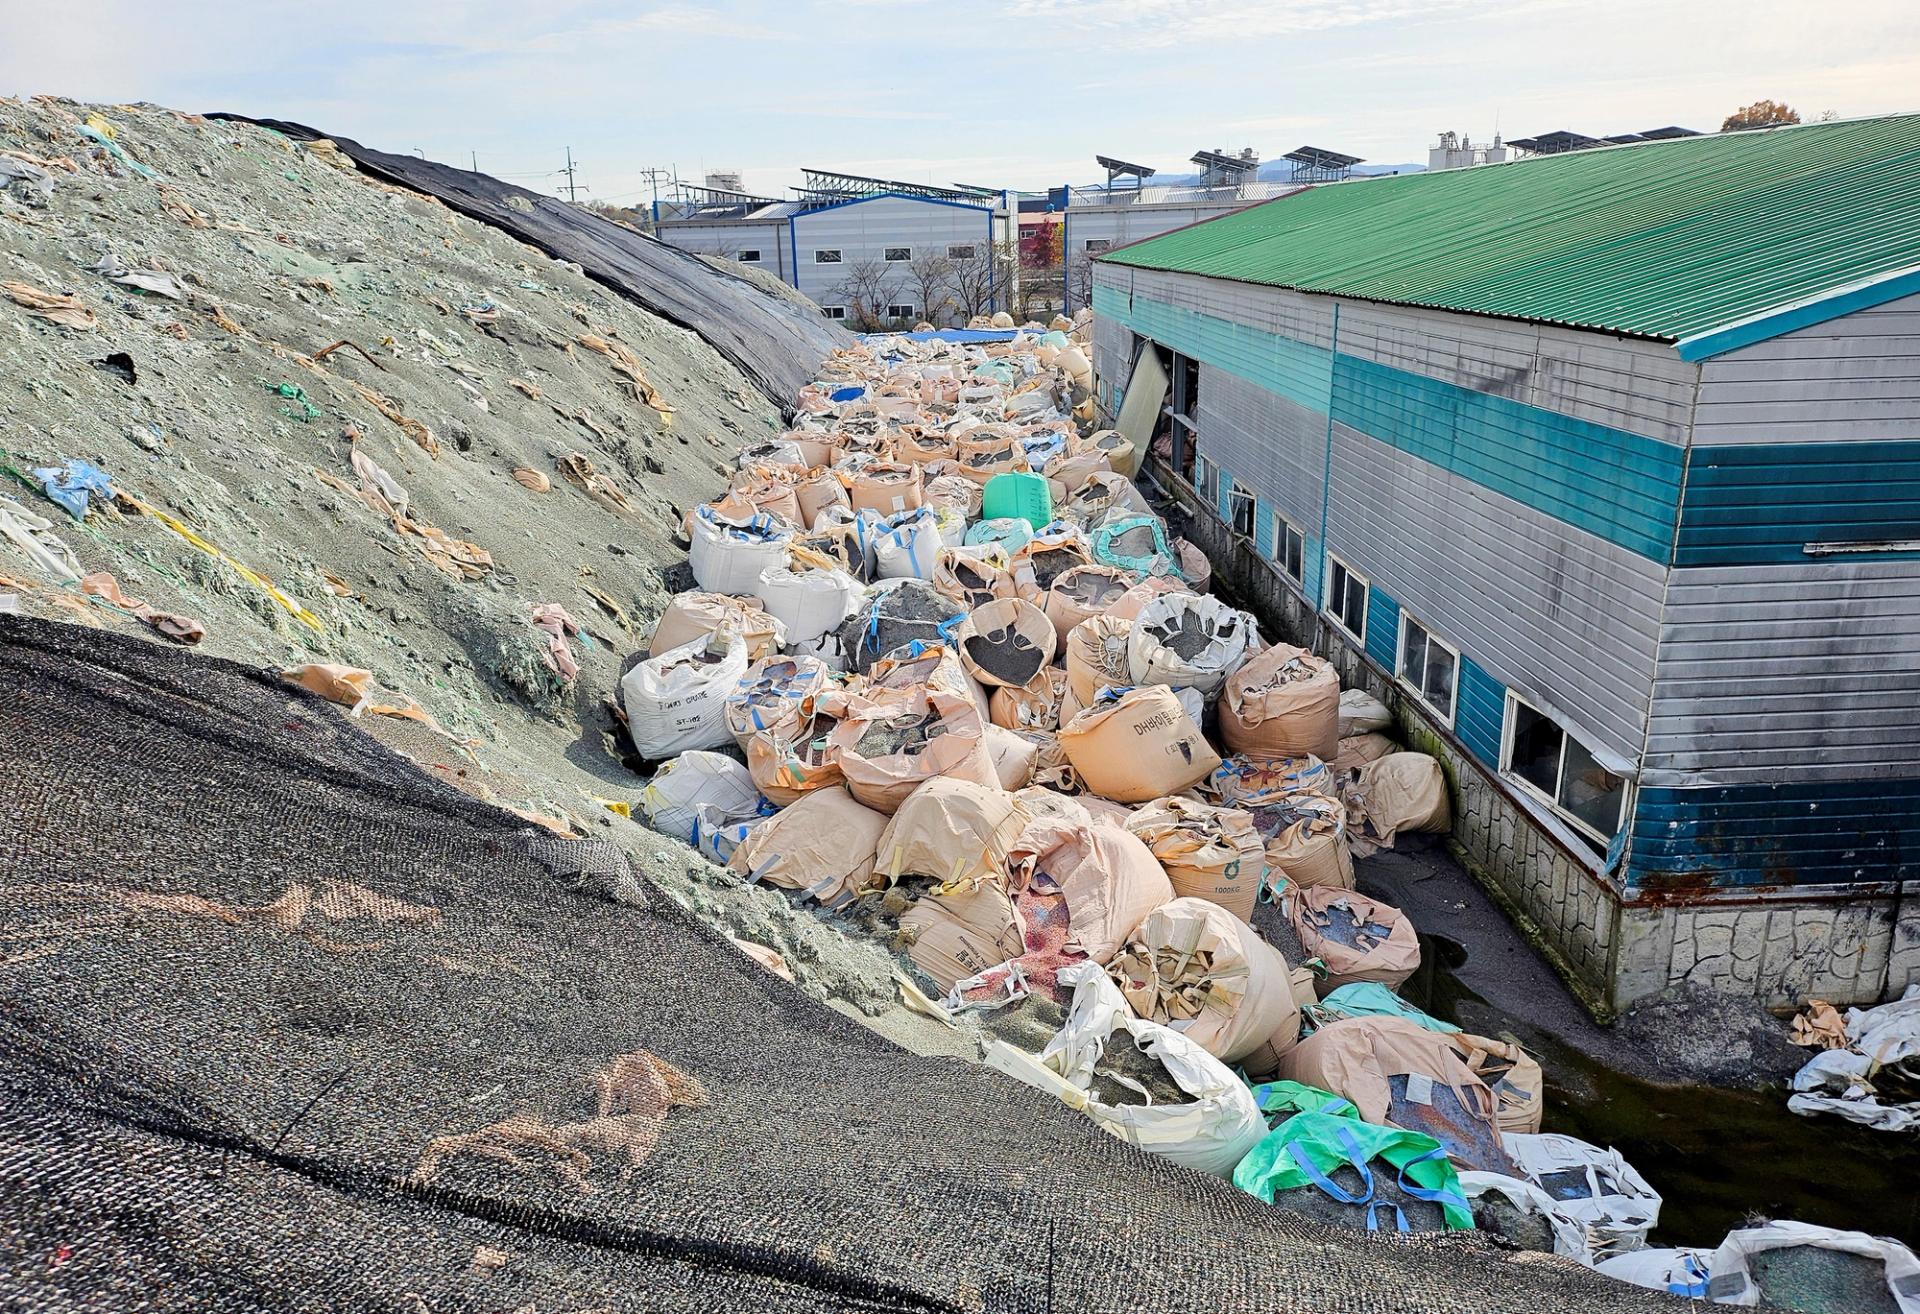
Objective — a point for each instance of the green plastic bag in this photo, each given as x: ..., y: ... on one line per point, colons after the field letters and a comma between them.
x: 1310, y: 1146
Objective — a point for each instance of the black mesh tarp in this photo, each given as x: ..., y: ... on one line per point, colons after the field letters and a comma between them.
x: 285, y: 1024
x: 776, y: 342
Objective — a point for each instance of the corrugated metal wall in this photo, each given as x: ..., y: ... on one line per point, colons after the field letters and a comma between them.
x: 733, y: 240
x: 863, y: 230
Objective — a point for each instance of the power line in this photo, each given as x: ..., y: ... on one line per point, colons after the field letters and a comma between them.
x: 573, y: 189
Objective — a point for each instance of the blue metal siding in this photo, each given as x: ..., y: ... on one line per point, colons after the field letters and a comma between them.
x: 1298, y: 371
x: 1383, y: 628
x: 1761, y: 503
x: 1263, y: 524
x: 1480, y: 713
x: 1798, y: 833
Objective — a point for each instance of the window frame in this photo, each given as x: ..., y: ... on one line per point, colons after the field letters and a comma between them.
x: 902, y: 310
x: 1097, y: 245
x: 887, y: 255
x: 820, y: 254
x: 828, y: 312
x: 971, y: 250
x: 1206, y: 478
x: 1236, y: 498
x: 1418, y: 688
x: 750, y: 256
x: 1333, y: 613
x: 1509, y: 723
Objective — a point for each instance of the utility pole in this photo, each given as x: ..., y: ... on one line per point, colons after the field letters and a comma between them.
x: 572, y: 188
x: 475, y: 157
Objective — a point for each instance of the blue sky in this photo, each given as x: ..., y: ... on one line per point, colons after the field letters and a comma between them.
x: 1017, y: 93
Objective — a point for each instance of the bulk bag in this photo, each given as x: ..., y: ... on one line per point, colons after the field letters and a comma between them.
x: 1110, y: 879
x: 1597, y: 1188
x: 1189, y: 641
x: 1082, y: 593
x: 1304, y: 1152
x: 1195, y: 569
x: 955, y: 492
x: 1211, y: 1132
x: 1358, y: 750
x: 775, y: 695
x: 1007, y: 642
x: 680, y: 788
x: 1258, y: 782
x: 694, y: 615
x: 773, y: 452
x: 1306, y: 838
x: 1033, y: 706
x: 1801, y: 1266
x: 791, y: 762
x: 1104, y: 495
x: 1514, y: 1077
x: 816, y: 449
x: 955, y: 831
x: 1397, y: 1072
x: 729, y: 555
x: 716, y: 835
x: 1097, y: 656
x: 893, y: 614
x: 933, y: 665
x: 971, y: 577
x: 1283, y: 702
x: 1047, y: 556
x: 951, y: 524
x: 986, y: 452
x: 1017, y: 495
x: 1009, y: 535
x: 817, y: 491
x: 1361, y: 712
x: 1193, y: 966
x: 1359, y: 939
x: 886, y: 488
x: 887, y: 746
x: 1208, y: 852
x: 955, y: 935
x: 1128, y: 605
x: 1068, y: 472
x: 757, y: 490
x: 832, y: 544
x: 1137, y: 543
x: 1117, y: 448
x: 907, y: 546
x: 915, y: 447
x: 678, y: 700
x: 1523, y: 1215
x: 1399, y: 792
x: 807, y: 603
x: 1371, y: 999
x: 1133, y: 745
x: 822, y: 846
x: 1015, y: 755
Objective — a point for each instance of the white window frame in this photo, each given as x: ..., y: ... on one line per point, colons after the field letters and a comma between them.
x: 834, y: 312
x: 1418, y: 688
x: 1508, y: 725
x: 1282, y: 527
x: 750, y: 256
x: 1332, y: 613
x: 963, y: 251
x: 1206, y: 478
x: 1095, y: 245
x: 887, y: 255
x: 1236, y: 498
x: 827, y: 255
x: 902, y: 310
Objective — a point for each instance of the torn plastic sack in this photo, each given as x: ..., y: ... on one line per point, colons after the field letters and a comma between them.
x: 1189, y: 641
x: 1397, y: 1072
x: 729, y: 555
x: 971, y: 577
x: 1035, y: 705
x: 694, y: 615
x: 1395, y: 793
x: 933, y: 665
x: 1361, y: 713
x: 1015, y: 755
x: 1371, y: 999
x: 822, y: 846
x: 1359, y: 939
x: 672, y: 800
x: 893, y: 614
x: 1597, y: 1188
x: 955, y: 492
x: 33, y: 535
x: 1137, y: 543
x: 1258, y: 782
x: 1801, y: 1266
x: 908, y: 545
x: 1283, y: 702
x: 1103, y: 496
x: 955, y: 831
x: 775, y: 695
x: 1133, y: 745
x: 1873, y: 1080
x: 795, y: 760
x: 1009, y: 535
x: 1193, y: 966
x: 72, y: 484
x: 1522, y: 1214
x: 1005, y: 642
x: 890, y: 744
x: 955, y: 935
x: 1082, y: 593
x: 1306, y: 838
x: 1208, y: 852
x: 1210, y: 1131
x: 678, y: 700
x: 807, y: 603
x: 1109, y: 878
x: 1097, y: 656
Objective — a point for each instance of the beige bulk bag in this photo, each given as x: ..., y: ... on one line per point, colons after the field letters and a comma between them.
x: 1306, y: 838
x: 1127, y: 606
x: 956, y: 491
x: 957, y: 934
x: 694, y: 615
x: 971, y: 577
x: 1097, y: 657
x: 1282, y: 703
x: 886, y: 488
x: 1398, y: 792
x: 1109, y: 878
x: 915, y: 447
x: 1001, y: 320
x: 816, y: 449
x: 1104, y: 811
x: 1358, y: 750
x: 1042, y: 560
x: 1512, y: 1074
x: 888, y: 745
x: 796, y: 761
x: 1082, y: 593
x: 1118, y: 449
x: 988, y: 451
x: 1208, y: 852
x: 818, y: 490
x: 1044, y: 804
x: 1070, y: 469
x: 822, y: 846
x: 1007, y: 642
x: 762, y: 491
x: 955, y: 831
x: 1014, y: 755
x: 1359, y: 939
x: 1033, y: 706
x: 1193, y: 966
x: 1194, y: 566
x: 1189, y: 641
x: 1361, y: 712
x: 1078, y: 369
x: 1137, y: 745
x: 775, y: 696
x: 1105, y: 493
x: 934, y: 665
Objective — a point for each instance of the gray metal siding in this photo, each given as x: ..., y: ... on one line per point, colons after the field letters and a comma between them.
x: 1121, y: 224
x: 1270, y: 444
x: 1780, y: 673
x: 769, y: 237
x: 1851, y: 379
x: 864, y: 231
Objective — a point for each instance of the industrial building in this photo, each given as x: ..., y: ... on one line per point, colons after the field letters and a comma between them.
x: 1603, y: 469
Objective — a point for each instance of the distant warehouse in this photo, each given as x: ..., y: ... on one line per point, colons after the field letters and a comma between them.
x: 1603, y: 467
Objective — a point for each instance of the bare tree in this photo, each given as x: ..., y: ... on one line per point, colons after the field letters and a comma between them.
x: 930, y: 276
x: 1080, y: 280
x: 1760, y: 114
x: 984, y: 281
x: 868, y: 289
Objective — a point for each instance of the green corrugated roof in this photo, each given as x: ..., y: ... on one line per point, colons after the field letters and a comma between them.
x: 1666, y: 240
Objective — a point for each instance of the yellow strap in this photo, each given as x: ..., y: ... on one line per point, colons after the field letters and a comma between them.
x: 247, y: 573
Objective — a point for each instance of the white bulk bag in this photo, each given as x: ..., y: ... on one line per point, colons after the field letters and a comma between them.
x: 1569, y: 1236
x: 1732, y: 1281
x: 1231, y: 636
x: 1597, y: 1188
x: 729, y: 555
x: 907, y: 546
x: 673, y: 799
x: 1211, y: 1134
x: 678, y: 701
x: 809, y: 603
x: 1681, y: 1272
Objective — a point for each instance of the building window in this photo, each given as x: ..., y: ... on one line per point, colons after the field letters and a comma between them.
x: 1099, y: 244
x: 1029, y: 231
x: 900, y: 310
x: 1347, y: 598
x: 1540, y: 756
x: 960, y: 252
x: 749, y: 256
x: 1430, y: 666
x: 1289, y: 549
x: 830, y: 256
x: 1240, y: 502
x: 834, y: 312
x: 899, y: 255
x: 1206, y: 480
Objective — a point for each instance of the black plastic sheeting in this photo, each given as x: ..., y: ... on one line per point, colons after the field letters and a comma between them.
x: 775, y: 342
x: 285, y: 1024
